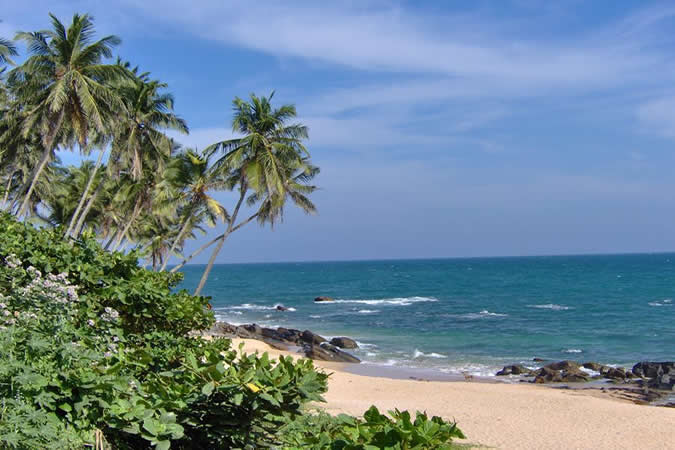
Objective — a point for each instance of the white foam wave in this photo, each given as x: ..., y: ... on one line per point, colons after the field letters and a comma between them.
x: 572, y: 350
x: 368, y: 311
x: 365, y: 345
x: 419, y: 354
x: 402, y: 301
x: 552, y: 306
x: 484, y: 314
x: 666, y: 302
x: 252, y: 307
x: 314, y: 316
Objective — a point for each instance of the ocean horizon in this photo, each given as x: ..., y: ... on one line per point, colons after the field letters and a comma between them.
x: 469, y: 314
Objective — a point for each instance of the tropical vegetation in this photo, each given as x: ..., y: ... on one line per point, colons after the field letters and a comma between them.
x: 98, y: 340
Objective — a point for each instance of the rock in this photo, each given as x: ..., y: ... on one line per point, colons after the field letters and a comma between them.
x: 563, y: 365
x: 596, y: 367
x: 327, y: 352
x: 515, y: 369
x: 344, y: 342
x: 223, y: 329
x: 664, y: 382
x: 538, y: 359
x: 323, y: 299
x: 574, y: 376
x: 547, y: 375
x: 289, y: 334
x: 252, y: 328
x: 281, y: 308
x: 309, y: 337
x: 614, y: 373
x: 653, y: 369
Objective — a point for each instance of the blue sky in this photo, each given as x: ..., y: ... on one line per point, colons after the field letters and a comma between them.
x: 442, y: 128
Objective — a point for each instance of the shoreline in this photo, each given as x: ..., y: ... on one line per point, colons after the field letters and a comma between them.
x: 501, y: 415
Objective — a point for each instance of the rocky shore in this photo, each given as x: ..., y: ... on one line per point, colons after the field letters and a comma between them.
x: 646, y: 382
x: 310, y: 344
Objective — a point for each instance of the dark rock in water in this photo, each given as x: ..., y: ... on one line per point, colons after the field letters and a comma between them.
x: 327, y: 352
x: 308, y: 336
x: 596, y: 367
x: 563, y: 365
x: 223, y: 329
x: 281, y: 308
x: 323, y: 299
x: 344, y: 342
x: 515, y: 369
x: 538, y: 359
x: 653, y: 369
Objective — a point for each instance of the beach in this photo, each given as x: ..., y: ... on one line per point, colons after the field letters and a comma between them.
x: 501, y: 415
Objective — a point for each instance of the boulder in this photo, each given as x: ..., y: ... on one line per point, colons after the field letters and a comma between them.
x: 614, y: 373
x: 547, y: 375
x: 515, y: 369
x: 323, y: 299
x: 281, y: 308
x: 653, y: 369
x: 538, y: 359
x: 574, y: 376
x: 344, y: 342
x: 327, y: 352
x: 252, y: 328
x: 596, y: 367
x: 664, y: 382
x: 289, y: 334
x: 563, y: 365
x: 223, y: 329
x: 311, y: 338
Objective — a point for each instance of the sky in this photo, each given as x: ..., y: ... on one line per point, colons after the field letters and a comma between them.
x: 442, y: 128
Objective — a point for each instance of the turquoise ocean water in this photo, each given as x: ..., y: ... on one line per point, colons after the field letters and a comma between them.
x: 455, y: 315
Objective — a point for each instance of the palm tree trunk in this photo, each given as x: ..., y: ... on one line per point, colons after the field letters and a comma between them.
x: 120, y: 238
x: 80, y: 223
x: 209, y: 244
x: 195, y: 253
x: 49, y: 143
x: 216, y: 250
x: 5, y: 198
x: 36, y: 175
x: 110, y: 241
x: 175, y: 243
x: 85, y: 193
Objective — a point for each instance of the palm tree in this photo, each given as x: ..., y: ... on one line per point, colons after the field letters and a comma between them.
x: 263, y: 161
x: 191, y: 171
x: 66, y: 87
x: 148, y: 113
x: 7, y: 50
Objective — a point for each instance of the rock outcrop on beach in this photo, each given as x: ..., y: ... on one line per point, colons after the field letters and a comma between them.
x: 312, y: 345
x: 344, y: 342
x: 655, y: 375
x: 323, y: 299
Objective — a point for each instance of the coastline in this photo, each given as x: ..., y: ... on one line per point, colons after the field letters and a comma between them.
x: 501, y: 415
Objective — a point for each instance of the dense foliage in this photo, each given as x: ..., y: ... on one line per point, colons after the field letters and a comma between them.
x: 93, y: 345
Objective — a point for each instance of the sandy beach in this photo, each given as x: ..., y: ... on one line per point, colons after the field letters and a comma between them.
x: 506, y: 416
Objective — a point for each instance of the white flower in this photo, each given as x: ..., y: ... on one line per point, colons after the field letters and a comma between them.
x: 91, y: 323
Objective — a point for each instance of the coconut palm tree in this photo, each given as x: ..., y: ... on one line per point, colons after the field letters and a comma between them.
x: 261, y: 162
x: 196, y: 179
x: 140, y: 129
x: 66, y: 87
x: 7, y: 50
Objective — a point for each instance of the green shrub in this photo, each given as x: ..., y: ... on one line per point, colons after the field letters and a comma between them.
x: 143, y: 298
x: 91, y: 344
x: 374, y: 431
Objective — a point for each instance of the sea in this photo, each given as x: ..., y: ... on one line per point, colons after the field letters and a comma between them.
x: 470, y: 315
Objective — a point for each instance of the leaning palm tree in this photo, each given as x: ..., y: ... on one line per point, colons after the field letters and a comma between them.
x: 193, y: 174
x: 65, y: 85
x: 261, y: 162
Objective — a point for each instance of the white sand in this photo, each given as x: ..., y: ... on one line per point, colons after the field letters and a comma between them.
x: 508, y: 416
